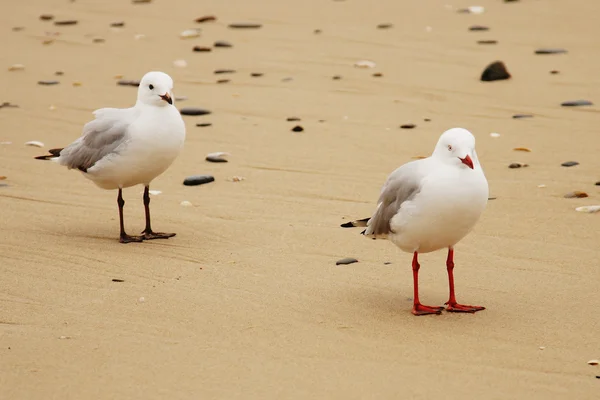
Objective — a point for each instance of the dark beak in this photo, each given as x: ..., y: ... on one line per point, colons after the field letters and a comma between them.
x: 467, y: 161
x: 168, y: 99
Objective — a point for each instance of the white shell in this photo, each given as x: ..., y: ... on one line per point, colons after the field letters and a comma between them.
x: 476, y: 9
x: 186, y: 203
x: 180, y: 63
x: 364, y: 64
x: 218, y: 154
x: 154, y: 192
x: 237, y: 178
x: 494, y: 134
x: 139, y: 36
x: 34, y: 143
x: 588, y: 209
x: 189, y: 33
x: 542, y: 186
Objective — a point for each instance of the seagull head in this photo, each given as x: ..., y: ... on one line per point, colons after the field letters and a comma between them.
x: 456, y: 146
x: 156, y: 88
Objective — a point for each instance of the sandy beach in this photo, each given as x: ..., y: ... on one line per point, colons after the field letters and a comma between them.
x: 246, y: 302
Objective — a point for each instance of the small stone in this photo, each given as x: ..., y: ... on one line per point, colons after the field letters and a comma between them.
x: 575, y: 195
x: 518, y: 165
x: 427, y: 119
x: 98, y: 40
x: 222, y: 43
x: 16, y: 67
x: 576, y: 103
x: 204, y: 124
x: 479, y: 28
x: 180, y: 63
x: 588, y: 209
x: 126, y: 82
x: 118, y: 280
x: 256, y: 74
x: 140, y: 1
x: 18, y: 28
x: 520, y: 116
x: 46, y: 17
x: 66, y: 22
x: 34, y: 143
x: 377, y: 75
x: 119, y: 24
x: 217, y: 157
x: 6, y: 104
x: 189, y: 33
x: 224, y: 71
x: 59, y: 73
x: 201, y: 49
x: 206, y: 18
x: 525, y: 149
x: 542, y: 347
x: 365, y: 64
x: 181, y: 98
x: 297, y: 128
x: 569, y: 163
x: 243, y: 25
x: 2, y: 178
x: 223, y: 80
x: 346, y: 261
x: 597, y: 183
x: 494, y: 72
x: 139, y: 36
x: 337, y: 77
x: 287, y: 79
x: 193, y: 111
x: 554, y: 72
x: 196, y: 180
x: 237, y: 179
x: 593, y: 362
x: 541, y: 186
x: 317, y: 31
x: 384, y: 26
x: 550, y: 51
x: 64, y: 337
x: 488, y: 41
x: 142, y: 299
x: 48, y: 83
x: 408, y: 126
x: 293, y: 119
x: 77, y: 84
x: 186, y: 203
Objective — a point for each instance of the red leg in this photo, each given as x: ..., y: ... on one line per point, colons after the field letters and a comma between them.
x: 453, y: 306
x: 418, y: 308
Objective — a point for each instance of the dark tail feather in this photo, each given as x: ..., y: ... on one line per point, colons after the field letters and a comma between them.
x: 53, y: 154
x: 358, y: 222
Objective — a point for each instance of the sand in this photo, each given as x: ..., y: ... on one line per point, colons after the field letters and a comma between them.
x: 246, y: 301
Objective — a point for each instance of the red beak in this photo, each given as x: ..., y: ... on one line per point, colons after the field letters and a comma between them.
x: 467, y: 161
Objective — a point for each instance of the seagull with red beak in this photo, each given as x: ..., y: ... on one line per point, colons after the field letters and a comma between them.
x: 431, y: 204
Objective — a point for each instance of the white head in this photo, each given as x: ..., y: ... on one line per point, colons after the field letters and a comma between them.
x: 156, y: 88
x: 457, y: 146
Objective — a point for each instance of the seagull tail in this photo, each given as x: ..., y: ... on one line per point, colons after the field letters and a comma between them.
x: 54, y: 153
x: 358, y: 223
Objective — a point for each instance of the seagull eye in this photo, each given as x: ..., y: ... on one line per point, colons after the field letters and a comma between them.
x: 151, y: 87
x: 449, y: 147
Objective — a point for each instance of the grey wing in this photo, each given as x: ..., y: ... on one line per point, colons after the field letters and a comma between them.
x: 402, y: 185
x: 101, y: 137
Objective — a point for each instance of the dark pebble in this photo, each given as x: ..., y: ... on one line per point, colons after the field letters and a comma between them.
x: 569, y: 163
x: 494, y: 72
x: 377, y: 74
x: 196, y: 180
x: 204, y: 124
x: 490, y: 41
x: 4, y: 185
x: 245, y: 26
x: 346, y: 261
x: 387, y: 263
x: 193, y: 111
x: 427, y: 119
x: 46, y: 17
x: 550, y: 51
x: 517, y: 165
x: 511, y: 1
x: 18, y: 28
x: 206, y: 18
x: 59, y: 73
x: 288, y: 79
x: 317, y: 31
x: 66, y: 22
x: 597, y: 183
x: 98, y: 40
x: 408, y: 126
x: 48, y: 83
x: 223, y: 81
x: 201, y: 49
x: 384, y: 26
x: 215, y: 159
x: 519, y: 116
x: 7, y: 104
x: 576, y: 103
x: 224, y: 71
x: 140, y: 1
x: 292, y: 119
x: 126, y: 82
x: 297, y: 128
x: 119, y: 24
x: 492, y: 198
x: 478, y: 28
x: 597, y: 376
x: 118, y: 280
x: 222, y: 43
x: 337, y: 77
x: 554, y: 72
x: 576, y: 195
x: 256, y: 74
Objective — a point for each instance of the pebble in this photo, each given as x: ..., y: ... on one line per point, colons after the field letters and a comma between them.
x: 204, y: 124
x: 408, y: 126
x: 491, y: 41
x: 189, y: 33
x: 77, y: 84
x: 292, y: 119
x: 384, y: 26
x: 180, y: 63
x: 576, y: 103
x: 377, y: 74
x: 193, y: 111
x: 550, y: 51
x: 223, y: 80
x: 34, y: 143
x: 186, y: 203
x: 256, y: 74
x: 224, y: 71
x: 66, y: 22
x: 237, y: 179
x: 64, y: 337
x: 4, y: 185
x: 2, y: 177
x: 287, y: 79
x: 519, y: 116
x: 569, y: 163
x: 337, y: 77
x: 126, y: 82
x: 494, y: 72
x: 517, y: 165
x: 142, y: 299
x: 6, y: 104
x: 217, y: 157
x: 317, y: 31
x: 46, y: 17
x: 18, y: 28
x: 196, y: 180
x: 525, y: 149
x: 140, y: 1
x: 554, y: 72
x: 479, y: 28
x: 597, y: 183
x: 222, y: 43
x: 365, y: 64
x: 118, y: 280
x: 541, y: 186
x: 201, y: 49
x: 588, y: 209
x: 59, y: 73
x: 48, y: 83
x: 346, y: 261
x: 297, y: 128
x: 16, y: 67
x: 243, y: 25
x: 593, y: 362
x: 119, y: 24
x: 206, y: 18
x: 575, y: 195
x: 139, y: 36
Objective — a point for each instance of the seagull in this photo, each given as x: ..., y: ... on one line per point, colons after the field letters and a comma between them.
x: 431, y: 204
x: 124, y: 147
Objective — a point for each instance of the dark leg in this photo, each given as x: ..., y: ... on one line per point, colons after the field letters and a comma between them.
x: 453, y: 306
x: 124, y: 238
x: 418, y: 308
x: 147, y: 233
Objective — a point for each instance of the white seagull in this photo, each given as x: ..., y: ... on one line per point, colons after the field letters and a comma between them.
x: 123, y: 147
x: 431, y: 204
